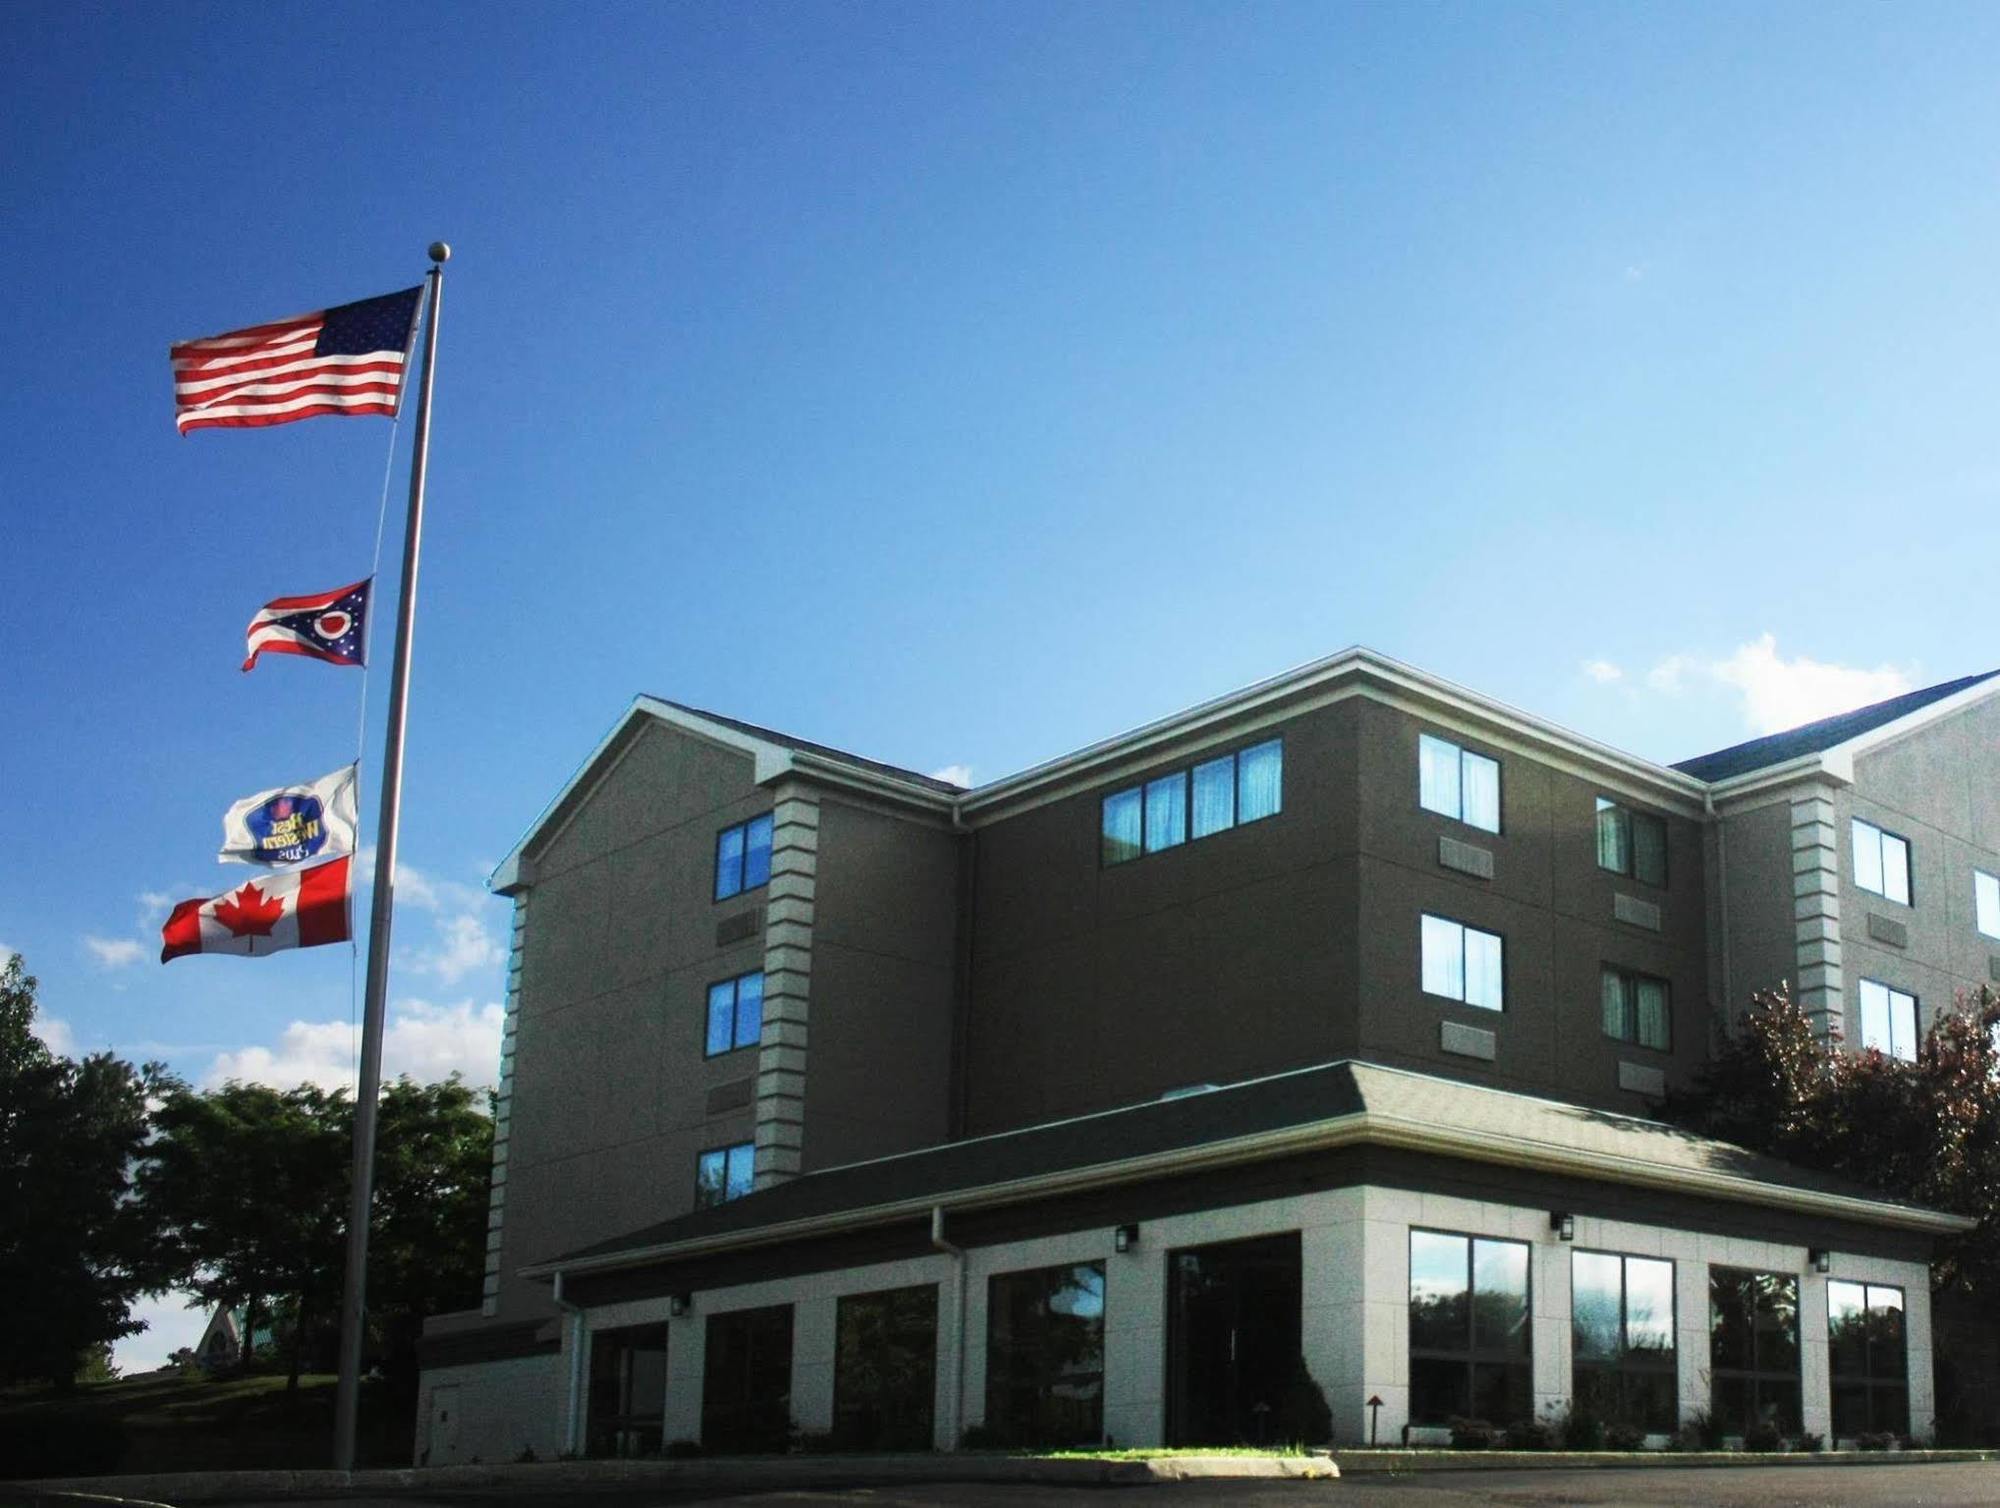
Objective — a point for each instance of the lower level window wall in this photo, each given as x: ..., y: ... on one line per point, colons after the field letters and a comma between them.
x: 628, y: 1391
x: 885, y: 1369
x: 1869, y: 1359
x: 1045, y: 1356
x: 1622, y: 1340
x: 1753, y: 1335
x: 1469, y: 1330
x: 746, y: 1387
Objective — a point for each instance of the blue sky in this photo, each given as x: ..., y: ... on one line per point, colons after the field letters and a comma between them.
x: 956, y: 384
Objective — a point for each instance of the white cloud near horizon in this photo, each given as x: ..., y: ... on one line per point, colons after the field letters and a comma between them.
x: 114, y: 952
x: 957, y: 774
x: 56, y: 1035
x: 425, y: 1041
x: 1775, y: 693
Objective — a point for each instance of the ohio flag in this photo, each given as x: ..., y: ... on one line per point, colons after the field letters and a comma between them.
x: 301, y: 909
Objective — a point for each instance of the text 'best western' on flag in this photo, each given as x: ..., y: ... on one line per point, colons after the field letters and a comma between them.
x: 348, y: 359
x: 293, y: 824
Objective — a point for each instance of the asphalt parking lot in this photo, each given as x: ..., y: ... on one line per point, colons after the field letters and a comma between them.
x: 1950, y: 1485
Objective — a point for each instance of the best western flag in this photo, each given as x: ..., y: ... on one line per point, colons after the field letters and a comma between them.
x: 302, y: 909
x: 292, y: 824
x: 344, y: 360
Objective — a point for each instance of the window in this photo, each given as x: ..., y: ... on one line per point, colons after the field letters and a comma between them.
x: 1462, y: 963
x: 1213, y: 796
x: 723, y: 1174
x: 1622, y: 1340
x: 1631, y: 843
x: 1455, y: 782
x: 746, y: 1382
x: 885, y: 1369
x: 1986, y: 902
x: 1469, y: 1331
x: 1866, y: 1343
x: 628, y: 1391
x: 1881, y: 862
x: 735, y: 1014
x: 1636, y: 1010
x: 1753, y: 1349
x: 1045, y: 1356
x: 743, y: 857
x: 1888, y: 1020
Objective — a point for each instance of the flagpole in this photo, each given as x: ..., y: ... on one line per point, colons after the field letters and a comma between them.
x: 354, y: 1289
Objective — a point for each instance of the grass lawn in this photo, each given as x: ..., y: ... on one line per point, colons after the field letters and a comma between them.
x: 167, y: 1422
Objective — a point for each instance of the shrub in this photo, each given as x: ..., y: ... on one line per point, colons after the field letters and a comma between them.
x: 1699, y: 1431
x: 682, y: 1450
x: 1534, y: 1434
x: 527, y: 1457
x: 1583, y: 1430
x: 1763, y: 1436
x: 981, y: 1437
x: 1625, y: 1437
x: 1811, y: 1442
x: 812, y: 1442
x: 1302, y: 1413
x: 1472, y: 1434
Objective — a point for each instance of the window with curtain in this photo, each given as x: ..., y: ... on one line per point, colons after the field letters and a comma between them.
x: 1868, y: 1356
x: 1211, y: 797
x: 1881, y: 862
x: 743, y: 857
x: 724, y: 1173
x: 1469, y: 1329
x: 735, y: 1013
x: 1753, y: 1334
x: 1636, y: 1008
x: 1622, y: 1340
x: 1458, y: 783
x: 1631, y: 842
x: 1888, y: 1020
x: 1462, y: 963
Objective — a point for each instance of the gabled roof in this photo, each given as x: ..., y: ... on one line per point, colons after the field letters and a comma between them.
x: 824, y: 751
x: 1825, y: 735
x: 1307, y: 1109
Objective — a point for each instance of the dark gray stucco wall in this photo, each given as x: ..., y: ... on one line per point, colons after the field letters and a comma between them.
x: 1553, y: 907
x: 1939, y: 788
x: 878, y: 1076
x: 1219, y: 960
x: 1759, y: 928
x: 610, y: 1102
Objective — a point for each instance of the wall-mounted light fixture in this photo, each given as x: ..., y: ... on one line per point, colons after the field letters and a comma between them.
x: 1125, y: 1238
x: 1563, y: 1223
x: 1821, y: 1259
x: 678, y: 1304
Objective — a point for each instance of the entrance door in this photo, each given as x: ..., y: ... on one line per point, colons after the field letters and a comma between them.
x: 1232, y: 1340
x: 441, y: 1449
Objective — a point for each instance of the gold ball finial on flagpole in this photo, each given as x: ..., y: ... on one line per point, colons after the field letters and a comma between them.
x: 440, y: 252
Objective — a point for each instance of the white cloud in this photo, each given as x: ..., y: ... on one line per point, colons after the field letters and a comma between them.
x: 1602, y: 671
x: 114, y: 952
x: 154, y: 906
x: 170, y: 1326
x: 56, y: 1035
x: 464, y: 946
x: 1778, y: 693
x: 957, y: 774
x: 420, y: 1039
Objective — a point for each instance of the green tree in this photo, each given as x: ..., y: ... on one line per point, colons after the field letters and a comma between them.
x: 72, y: 1248
x: 245, y: 1189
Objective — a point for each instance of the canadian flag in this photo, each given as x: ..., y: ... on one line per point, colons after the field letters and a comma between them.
x: 272, y: 912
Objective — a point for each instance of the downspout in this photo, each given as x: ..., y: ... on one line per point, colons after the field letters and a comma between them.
x: 957, y: 1254
x: 573, y: 1385
x: 1721, y: 900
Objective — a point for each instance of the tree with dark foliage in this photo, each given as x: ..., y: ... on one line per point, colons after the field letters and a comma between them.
x: 71, y: 1244
x: 1927, y: 1131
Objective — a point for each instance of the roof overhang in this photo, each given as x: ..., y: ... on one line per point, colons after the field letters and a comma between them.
x: 1362, y: 1127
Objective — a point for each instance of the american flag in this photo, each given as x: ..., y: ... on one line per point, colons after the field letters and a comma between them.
x: 344, y: 360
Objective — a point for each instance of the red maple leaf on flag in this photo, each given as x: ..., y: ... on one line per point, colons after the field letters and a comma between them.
x: 249, y: 912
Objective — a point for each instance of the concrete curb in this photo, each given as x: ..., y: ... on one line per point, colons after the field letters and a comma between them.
x: 738, y: 1473
x: 1356, y: 1463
